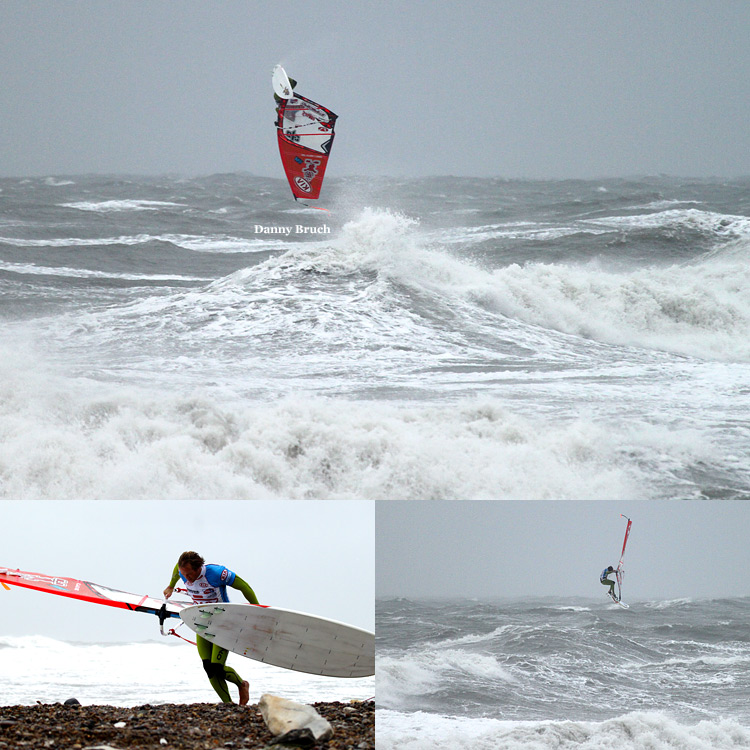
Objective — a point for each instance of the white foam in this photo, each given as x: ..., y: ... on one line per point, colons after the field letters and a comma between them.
x: 477, y: 637
x: 54, y: 182
x: 635, y: 731
x: 29, y: 269
x: 403, y: 677
x: 138, y: 239
x: 196, y: 243
x: 516, y: 230
x: 121, y: 205
x: 383, y: 296
x: 225, y: 243
x: 708, y: 222
x: 700, y: 310
x: 669, y: 603
x: 423, y: 671
x: 136, y: 673
x: 65, y: 438
x: 571, y: 608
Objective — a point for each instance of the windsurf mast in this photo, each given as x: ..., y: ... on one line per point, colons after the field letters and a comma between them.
x: 620, y: 572
x: 305, y: 132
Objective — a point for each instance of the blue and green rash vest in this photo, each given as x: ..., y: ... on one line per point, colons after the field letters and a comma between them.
x: 603, y: 577
x: 211, y: 585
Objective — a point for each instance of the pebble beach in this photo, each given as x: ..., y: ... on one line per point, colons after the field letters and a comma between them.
x: 198, y: 726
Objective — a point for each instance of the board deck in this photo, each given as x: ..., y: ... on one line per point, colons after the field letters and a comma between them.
x: 281, y: 84
x: 284, y: 638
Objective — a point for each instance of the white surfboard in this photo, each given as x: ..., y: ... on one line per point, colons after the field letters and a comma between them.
x: 284, y: 638
x: 618, y: 602
x: 281, y: 84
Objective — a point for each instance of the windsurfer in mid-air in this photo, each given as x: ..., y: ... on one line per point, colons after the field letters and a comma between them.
x: 604, y: 579
x: 206, y: 584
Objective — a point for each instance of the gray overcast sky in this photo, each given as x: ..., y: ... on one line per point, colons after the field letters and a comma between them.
x: 512, y: 549
x: 315, y: 557
x: 510, y: 88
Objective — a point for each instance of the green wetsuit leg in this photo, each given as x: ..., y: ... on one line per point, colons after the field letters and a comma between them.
x: 214, y: 662
x: 611, y: 584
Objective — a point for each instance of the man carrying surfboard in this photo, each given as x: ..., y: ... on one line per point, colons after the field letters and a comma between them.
x: 206, y: 584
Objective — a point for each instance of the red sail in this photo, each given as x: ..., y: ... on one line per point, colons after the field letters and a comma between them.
x: 620, y: 572
x: 627, y: 534
x: 89, y: 592
x: 305, y: 134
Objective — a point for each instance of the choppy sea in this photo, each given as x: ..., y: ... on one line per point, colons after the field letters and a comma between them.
x: 40, y: 669
x: 434, y: 338
x: 537, y: 674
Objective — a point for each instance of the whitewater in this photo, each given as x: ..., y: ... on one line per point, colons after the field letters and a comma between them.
x: 135, y: 673
x: 426, y: 339
x: 537, y: 674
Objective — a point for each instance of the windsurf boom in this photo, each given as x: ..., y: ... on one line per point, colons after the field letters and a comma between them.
x: 305, y: 132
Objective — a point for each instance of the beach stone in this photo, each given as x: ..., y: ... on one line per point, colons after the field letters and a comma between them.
x: 283, y: 716
x: 295, y: 738
x: 204, y: 726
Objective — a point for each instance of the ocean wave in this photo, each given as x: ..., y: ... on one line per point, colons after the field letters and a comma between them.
x: 56, y: 182
x: 431, y: 669
x: 697, y: 309
x: 139, y: 239
x: 669, y: 603
x: 704, y: 660
x: 380, y: 285
x: 29, y: 269
x: 82, y: 439
x: 225, y: 243
x: 476, y: 637
x: 571, y: 608
x: 706, y: 222
x: 130, y: 674
x: 634, y: 731
x: 220, y: 244
x: 700, y: 310
x: 514, y: 230
x: 399, y: 678
x: 122, y: 205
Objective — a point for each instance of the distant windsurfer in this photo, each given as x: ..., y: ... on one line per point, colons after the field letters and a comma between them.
x: 604, y: 579
x: 205, y: 584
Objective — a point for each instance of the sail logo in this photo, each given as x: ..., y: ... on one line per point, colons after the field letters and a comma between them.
x: 302, y: 184
x: 49, y: 580
x: 310, y: 169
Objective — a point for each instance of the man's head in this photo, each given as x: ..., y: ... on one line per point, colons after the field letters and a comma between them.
x: 190, y: 565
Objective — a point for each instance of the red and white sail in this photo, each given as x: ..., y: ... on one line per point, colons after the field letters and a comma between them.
x: 620, y: 572
x: 305, y: 134
x: 90, y: 592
